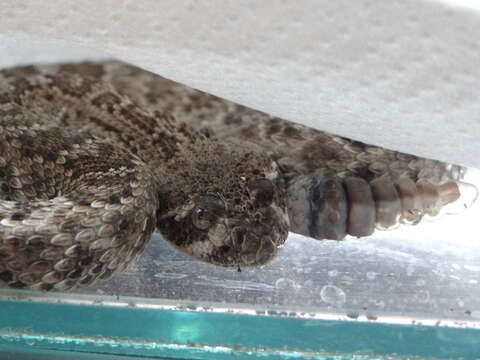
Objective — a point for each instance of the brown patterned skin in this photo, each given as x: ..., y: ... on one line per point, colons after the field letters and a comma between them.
x: 95, y: 156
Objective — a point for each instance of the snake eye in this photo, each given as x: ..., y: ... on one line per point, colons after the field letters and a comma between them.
x: 261, y: 190
x: 209, y: 208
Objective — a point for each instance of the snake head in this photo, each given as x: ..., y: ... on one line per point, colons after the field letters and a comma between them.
x: 231, y: 207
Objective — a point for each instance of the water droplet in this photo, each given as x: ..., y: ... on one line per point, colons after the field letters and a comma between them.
x: 333, y: 295
x: 421, y: 282
x: 333, y: 273
x: 371, y: 275
x: 423, y: 296
x: 284, y: 283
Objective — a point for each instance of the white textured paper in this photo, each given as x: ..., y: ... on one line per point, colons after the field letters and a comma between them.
x: 401, y: 74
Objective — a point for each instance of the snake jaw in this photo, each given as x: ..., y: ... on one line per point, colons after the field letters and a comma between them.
x: 255, y: 249
x: 253, y: 240
x: 250, y: 242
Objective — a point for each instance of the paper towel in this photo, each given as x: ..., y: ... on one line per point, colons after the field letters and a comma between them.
x: 399, y: 74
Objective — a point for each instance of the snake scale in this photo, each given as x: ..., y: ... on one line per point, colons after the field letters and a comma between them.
x: 94, y: 157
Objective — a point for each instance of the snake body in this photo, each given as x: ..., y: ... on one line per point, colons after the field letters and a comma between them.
x: 94, y: 157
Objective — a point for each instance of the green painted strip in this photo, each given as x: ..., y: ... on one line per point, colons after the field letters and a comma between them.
x: 204, y: 335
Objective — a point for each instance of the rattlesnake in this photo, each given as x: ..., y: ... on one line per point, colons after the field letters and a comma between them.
x: 95, y: 156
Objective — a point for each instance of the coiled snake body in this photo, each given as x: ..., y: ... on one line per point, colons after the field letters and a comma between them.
x: 95, y: 156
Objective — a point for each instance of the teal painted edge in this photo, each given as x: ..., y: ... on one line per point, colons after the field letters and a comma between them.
x: 207, y: 335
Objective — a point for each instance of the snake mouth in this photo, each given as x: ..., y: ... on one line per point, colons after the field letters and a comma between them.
x: 248, y: 246
x: 258, y: 241
x: 254, y: 248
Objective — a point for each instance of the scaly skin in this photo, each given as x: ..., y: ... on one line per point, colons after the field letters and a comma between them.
x: 95, y: 156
